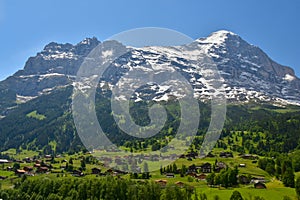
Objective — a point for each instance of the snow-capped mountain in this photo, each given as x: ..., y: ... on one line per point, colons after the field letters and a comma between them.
x: 248, y: 73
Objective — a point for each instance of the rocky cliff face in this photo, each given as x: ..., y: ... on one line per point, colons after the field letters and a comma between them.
x: 54, y: 67
x: 248, y: 73
x: 246, y: 68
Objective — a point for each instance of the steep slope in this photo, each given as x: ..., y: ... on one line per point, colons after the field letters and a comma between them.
x: 54, y: 67
x: 248, y: 71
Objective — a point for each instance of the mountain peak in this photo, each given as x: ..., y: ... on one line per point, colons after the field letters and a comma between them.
x: 218, y: 37
x: 53, y: 46
x: 88, y: 41
x: 223, y: 32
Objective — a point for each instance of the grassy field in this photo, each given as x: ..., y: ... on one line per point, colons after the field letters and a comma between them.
x: 20, y: 155
x: 275, y: 189
x: 36, y: 115
x: 249, y: 193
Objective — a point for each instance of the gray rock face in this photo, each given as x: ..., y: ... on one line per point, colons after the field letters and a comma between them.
x: 246, y: 66
x: 55, y: 66
x: 248, y: 73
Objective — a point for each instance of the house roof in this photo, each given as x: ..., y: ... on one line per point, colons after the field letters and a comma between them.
x: 161, y: 181
x: 221, y: 164
x: 260, y: 184
x: 44, y: 168
x: 206, y: 165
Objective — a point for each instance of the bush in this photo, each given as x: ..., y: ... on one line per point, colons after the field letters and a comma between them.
x: 258, y: 198
x: 287, y: 198
x: 216, y: 197
x: 190, y: 179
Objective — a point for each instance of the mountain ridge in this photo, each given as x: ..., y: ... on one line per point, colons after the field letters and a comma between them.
x: 248, y: 72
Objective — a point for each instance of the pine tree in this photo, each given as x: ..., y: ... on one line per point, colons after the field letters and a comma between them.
x: 236, y: 195
x: 288, y: 178
x: 146, y: 168
x: 297, y: 187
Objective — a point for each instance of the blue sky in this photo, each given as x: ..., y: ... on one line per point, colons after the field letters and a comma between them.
x: 27, y: 26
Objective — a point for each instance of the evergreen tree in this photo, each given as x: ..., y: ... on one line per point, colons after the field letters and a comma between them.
x: 203, y: 196
x: 210, y: 179
x: 297, y: 187
x: 236, y: 195
x: 288, y: 178
x: 146, y: 168
x: 82, y: 164
x: 270, y: 168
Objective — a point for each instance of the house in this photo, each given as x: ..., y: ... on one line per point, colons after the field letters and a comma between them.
x: 48, y: 156
x: 249, y: 156
x: 28, y: 160
x: 37, y: 165
x: 170, y: 175
x: 226, y: 154
x: 109, y: 171
x: 206, y: 168
x: 161, y: 182
x: 192, y: 174
x: 119, y: 172
x: 9, y: 168
x: 155, y: 157
x: 260, y: 185
x: 258, y: 179
x: 192, y: 168
x: 38, y: 161
x: 242, y: 165
x: 192, y: 154
x: 20, y: 172
x: 46, y: 165
x: 3, y: 161
x: 210, y: 155
x: 179, y: 184
x: 96, y: 171
x: 243, y: 179
x: 119, y: 161
x: 42, y: 170
x: 201, y: 177
x: 28, y: 168
x: 219, y: 166
x: 77, y: 173
x: 115, y: 172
